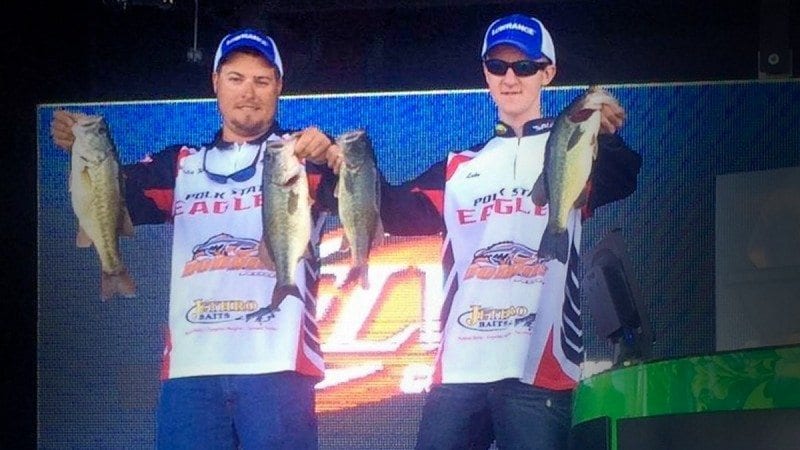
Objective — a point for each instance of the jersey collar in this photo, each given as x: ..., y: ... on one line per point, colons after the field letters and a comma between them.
x: 531, y: 128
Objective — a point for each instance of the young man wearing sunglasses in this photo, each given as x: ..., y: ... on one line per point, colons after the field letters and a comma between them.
x: 511, y: 333
x: 229, y: 381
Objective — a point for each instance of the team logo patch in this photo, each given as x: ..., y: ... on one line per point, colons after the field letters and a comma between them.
x: 224, y: 252
x: 505, y: 260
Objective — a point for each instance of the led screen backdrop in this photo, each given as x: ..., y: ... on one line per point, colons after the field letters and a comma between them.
x: 98, y: 363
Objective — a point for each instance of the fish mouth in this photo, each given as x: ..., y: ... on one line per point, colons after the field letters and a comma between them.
x: 354, y: 166
x: 287, y: 179
x: 291, y: 181
x: 351, y: 136
x: 88, y: 122
x: 581, y: 115
x: 597, y: 98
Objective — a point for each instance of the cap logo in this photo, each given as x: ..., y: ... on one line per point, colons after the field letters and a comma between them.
x: 514, y: 26
x: 247, y: 36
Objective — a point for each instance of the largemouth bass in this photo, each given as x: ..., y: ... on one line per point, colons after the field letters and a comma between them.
x: 286, y: 220
x: 569, y: 157
x: 358, y: 191
x: 97, y: 194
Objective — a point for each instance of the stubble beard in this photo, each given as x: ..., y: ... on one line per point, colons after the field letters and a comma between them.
x: 250, y: 126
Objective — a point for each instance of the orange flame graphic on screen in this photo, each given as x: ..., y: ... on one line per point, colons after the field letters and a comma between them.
x: 380, y: 342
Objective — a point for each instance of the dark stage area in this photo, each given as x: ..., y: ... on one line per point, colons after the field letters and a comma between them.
x: 114, y: 50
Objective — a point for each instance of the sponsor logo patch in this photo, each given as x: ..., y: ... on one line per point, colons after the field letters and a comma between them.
x: 218, y: 311
x: 479, y: 318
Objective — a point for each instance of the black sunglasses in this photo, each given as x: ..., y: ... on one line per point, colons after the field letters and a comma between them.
x: 522, y: 68
x: 238, y: 176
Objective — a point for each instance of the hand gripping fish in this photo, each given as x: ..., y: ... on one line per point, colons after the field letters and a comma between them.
x: 97, y: 193
x: 286, y: 215
x: 358, y: 191
x: 570, y: 152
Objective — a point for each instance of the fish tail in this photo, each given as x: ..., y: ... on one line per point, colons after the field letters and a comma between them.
x: 357, y: 275
x: 113, y: 284
x: 281, y: 292
x: 554, y: 244
x: 278, y: 295
x: 262, y: 314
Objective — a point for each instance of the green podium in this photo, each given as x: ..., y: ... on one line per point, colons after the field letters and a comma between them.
x: 723, y: 400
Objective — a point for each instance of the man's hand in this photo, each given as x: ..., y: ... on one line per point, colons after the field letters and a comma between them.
x: 61, y: 128
x: 612, y: 116
x: 335, y: 158
x: 312, y: 144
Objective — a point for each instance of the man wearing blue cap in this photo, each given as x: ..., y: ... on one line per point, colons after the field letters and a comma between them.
x: 511, y: 334
x: 229, y: 381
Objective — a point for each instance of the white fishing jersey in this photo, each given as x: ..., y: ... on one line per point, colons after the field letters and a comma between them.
x: 217, y: 280
x: 508, y: 313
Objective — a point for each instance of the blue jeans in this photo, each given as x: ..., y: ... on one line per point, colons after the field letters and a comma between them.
x: 267, y: 411
x: 516, y: 415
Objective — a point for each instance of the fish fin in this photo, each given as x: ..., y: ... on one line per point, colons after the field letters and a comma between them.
x: 378, y: 237
x: 336, y: 189
x: 577, y: 135
x: 554, y: 245
x: 357, y: 275
x: 82, y: 240
x: 265, y: 255
x: 125, y: 222
x: 365, y: 278
x: 121, y: 283
x: 69, y: 177
x: 345, y: 245
x: 583, y: 197
x: 539, y: 192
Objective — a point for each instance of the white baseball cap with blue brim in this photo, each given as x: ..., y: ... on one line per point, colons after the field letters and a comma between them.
x: 523, y: 32
x: 252, y: 39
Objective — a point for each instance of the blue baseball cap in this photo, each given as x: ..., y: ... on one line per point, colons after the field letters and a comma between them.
x: 252, y: 39
x: 523, y: 32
